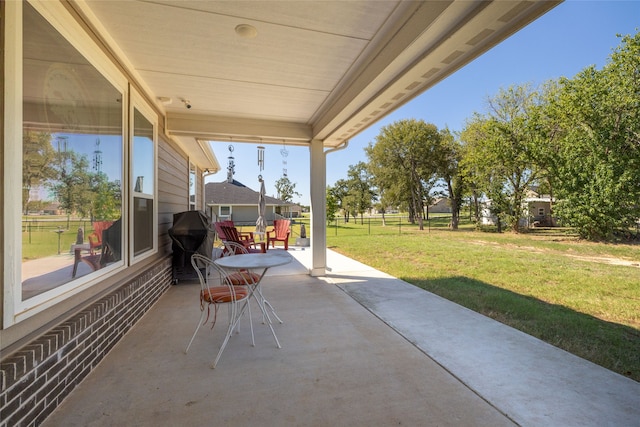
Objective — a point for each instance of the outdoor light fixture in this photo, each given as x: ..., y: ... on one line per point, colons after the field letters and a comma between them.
x: 246, y: 31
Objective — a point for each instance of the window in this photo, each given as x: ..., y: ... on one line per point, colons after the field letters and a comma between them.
x: 541, y: 212
x: 63, y: 199
x: 192, y: 187
x: 72, y: 115
x: 143, y: 181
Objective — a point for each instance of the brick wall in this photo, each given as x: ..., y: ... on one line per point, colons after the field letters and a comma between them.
x: 35, y: 379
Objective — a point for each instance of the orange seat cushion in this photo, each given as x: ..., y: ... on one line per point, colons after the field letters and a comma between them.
x: 221, y: 294
x: 243, y: 278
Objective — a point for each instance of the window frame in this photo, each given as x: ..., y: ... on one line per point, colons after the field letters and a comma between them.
x: 136, y: 101
x: 220, y: 211
x: 14, y: 309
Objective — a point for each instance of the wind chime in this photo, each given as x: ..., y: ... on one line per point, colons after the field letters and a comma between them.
x: 284, y: 152
x: 231, y: 168
x: 261, y: 224
x: 260, y: 161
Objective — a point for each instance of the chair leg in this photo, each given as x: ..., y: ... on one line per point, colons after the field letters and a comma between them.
x: 196, y: 331
x: 224, y: 344
x: 246, y: 306
x: 234, y: 322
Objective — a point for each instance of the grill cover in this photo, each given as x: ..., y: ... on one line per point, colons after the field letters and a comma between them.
x: 191, y: 233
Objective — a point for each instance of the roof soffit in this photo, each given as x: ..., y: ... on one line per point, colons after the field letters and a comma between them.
x: 317, y: 70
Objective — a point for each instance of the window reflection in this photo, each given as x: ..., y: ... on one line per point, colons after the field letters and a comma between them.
x: 71, y: 196
x: 143, y: 160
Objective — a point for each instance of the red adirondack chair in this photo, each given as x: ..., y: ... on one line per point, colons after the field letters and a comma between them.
x: 231, y: 235
x: 280, y: 233
x: 246, y: 237
x: 95, y: 238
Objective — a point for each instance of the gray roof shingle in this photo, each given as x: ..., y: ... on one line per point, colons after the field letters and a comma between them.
x: 235, y: 193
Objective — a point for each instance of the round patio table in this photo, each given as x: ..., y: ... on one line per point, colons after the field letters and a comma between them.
x: 255, y: 261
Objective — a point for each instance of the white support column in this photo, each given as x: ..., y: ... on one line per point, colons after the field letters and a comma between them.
x: 318, y: 184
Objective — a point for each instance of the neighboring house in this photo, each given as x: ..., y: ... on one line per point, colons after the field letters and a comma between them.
x: 440, y: 205
x: 53, y: 209
x: 537, y: 208
x: 239, y: 203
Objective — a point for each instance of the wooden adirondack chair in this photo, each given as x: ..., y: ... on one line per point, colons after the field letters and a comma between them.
x: 246, y: 237
x: 280, y: 233
x: 95, y: 238
x: 231, y: 235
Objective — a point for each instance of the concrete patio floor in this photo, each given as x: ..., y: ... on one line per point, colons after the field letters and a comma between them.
x: 359, y: 347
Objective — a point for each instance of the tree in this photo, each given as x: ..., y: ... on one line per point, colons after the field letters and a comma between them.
x: 286, y: 189
x: 107, y: 200
x: 38, y: 157
x: 72, y: 187
x: 450, y: 171
x: 594, y: 127
x: 503, y: 147
x: 332, y: 206
x: 403, y: 163
x: 360, y: 195
x: 338, y: 193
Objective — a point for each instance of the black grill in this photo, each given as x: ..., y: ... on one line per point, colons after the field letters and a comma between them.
x: 191, y: 233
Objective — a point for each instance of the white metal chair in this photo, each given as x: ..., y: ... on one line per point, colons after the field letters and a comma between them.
x: 234, y: 248
x: 232, y: 292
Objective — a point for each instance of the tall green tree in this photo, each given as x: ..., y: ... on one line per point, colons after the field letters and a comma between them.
x: 286, y: 189
x: 38, y: 157
x: 594, y: 128
x: 72, y: 187
x: 107, y: 198
x: 360, y: 194
x: 451, y: 172
x: 338, y: 194
x: 332, y: 205
x: 503, y: 146
x: 403, y: 161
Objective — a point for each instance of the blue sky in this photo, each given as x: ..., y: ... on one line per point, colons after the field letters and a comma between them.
x: 563, y: 42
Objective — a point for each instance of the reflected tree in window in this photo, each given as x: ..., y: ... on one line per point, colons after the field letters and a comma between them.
x: 38, y: 159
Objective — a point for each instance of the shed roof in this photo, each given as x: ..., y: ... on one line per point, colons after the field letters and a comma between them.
x: 236, y: 193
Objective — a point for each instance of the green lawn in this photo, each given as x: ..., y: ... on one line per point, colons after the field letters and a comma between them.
x: 40, y: 237
x: 547, y: 284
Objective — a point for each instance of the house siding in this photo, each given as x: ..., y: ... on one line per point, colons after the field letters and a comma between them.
x: 244, y: 215
x: 173, y: 190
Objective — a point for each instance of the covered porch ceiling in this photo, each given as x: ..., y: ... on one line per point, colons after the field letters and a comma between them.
x: 312, y: 70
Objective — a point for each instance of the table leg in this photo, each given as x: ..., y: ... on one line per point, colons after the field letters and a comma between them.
x: 261, y: 301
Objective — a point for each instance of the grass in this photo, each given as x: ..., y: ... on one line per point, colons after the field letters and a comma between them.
x: 39, y: 237
x: 547, y: 284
